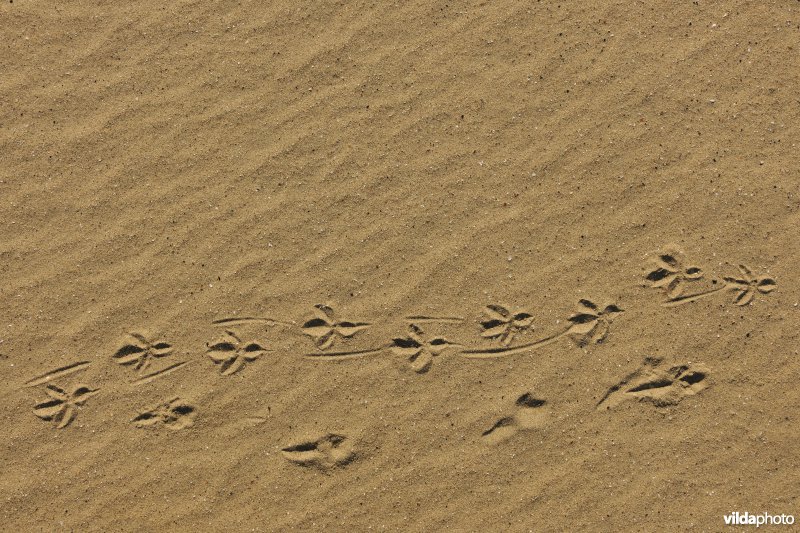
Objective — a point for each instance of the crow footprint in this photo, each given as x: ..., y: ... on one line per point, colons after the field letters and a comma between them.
x: 657, y: 384
x: 420, y: 349
x: 141, y: 351
x: 173, y: 414
x: 589, y: 325
x: 62, y: 406
x: 325, y: 327
x: 325, y: 453
x: 503, y: 324
x: 232, y: 354
x: 530, y: 413
x: 671, y: 274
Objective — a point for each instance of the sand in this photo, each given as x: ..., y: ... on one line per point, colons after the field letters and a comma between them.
x: 419, y: 266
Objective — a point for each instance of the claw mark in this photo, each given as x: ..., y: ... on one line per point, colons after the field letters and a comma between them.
x: 158, y: 373
x: 58, y: 373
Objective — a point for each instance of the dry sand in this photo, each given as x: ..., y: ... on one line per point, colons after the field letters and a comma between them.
x: 168, y: 165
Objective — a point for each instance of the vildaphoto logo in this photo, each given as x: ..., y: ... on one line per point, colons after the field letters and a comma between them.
x: 763, y: 519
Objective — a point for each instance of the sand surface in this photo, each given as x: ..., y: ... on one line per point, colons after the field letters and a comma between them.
x: 416, y: 266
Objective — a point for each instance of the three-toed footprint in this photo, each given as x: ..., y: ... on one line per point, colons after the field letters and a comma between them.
x: 656, y: 383
x: 172, y: 414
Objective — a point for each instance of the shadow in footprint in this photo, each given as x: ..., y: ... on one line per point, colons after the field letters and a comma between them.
x: 325, y: 453
x: 529, y: 413
x: 655, y: 383
x: 173, y: 414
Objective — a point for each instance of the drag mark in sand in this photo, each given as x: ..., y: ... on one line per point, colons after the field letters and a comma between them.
x: 159, y: 373
x: 57, y: 373
x: 671, y: 276
x: 589, y: 325
x: 235, y: 321
x: 425, y: 319
x: 343, y: 356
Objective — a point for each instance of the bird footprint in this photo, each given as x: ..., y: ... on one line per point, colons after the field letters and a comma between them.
x: 325, y: 327
x: 657, y: 384
x: 62, y: 406
x: 530, y: 412
x: 327, y: 452
x: 173, y: 414
x: 141, y: 351
x: 232, y: 354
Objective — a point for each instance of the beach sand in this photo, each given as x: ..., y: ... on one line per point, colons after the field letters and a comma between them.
x: 414, y: 266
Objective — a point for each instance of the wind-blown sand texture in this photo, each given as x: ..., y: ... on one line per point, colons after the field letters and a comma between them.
x: 420, y: 266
